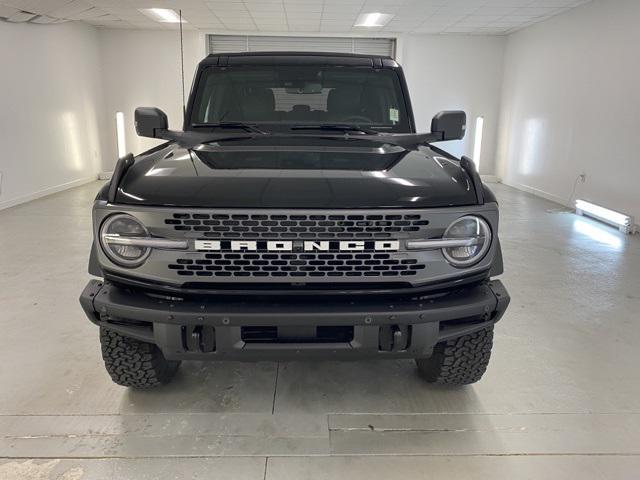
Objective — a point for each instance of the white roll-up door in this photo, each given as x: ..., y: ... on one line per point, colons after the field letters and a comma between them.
x: 259, y: 43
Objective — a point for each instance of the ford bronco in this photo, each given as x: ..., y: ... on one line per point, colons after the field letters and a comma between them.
x: 298, y: 214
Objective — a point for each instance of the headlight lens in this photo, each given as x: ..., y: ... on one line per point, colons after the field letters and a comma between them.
x: 126, y: 226
x: 467, y: 227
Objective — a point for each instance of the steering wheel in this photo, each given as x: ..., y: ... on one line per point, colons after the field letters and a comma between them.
x: 356, y: 119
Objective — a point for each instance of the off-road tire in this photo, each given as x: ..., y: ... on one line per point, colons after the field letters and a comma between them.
x: 132, y: 363
x: 459, y: 361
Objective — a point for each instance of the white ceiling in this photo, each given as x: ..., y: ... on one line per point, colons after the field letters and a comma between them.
x: 301, y: 16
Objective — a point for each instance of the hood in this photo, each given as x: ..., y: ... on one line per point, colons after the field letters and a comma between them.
x: 296, y: 173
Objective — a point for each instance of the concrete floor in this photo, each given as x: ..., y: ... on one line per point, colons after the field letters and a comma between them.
x: 561, y: 398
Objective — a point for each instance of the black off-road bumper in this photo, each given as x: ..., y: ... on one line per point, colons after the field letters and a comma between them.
x: 221, y: 328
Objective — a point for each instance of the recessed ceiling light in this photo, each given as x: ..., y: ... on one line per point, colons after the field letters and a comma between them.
x: 375, y: 19
x: 163, y: 15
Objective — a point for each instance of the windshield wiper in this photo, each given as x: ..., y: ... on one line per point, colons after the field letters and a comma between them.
x: 249, y: 127
x: 342, y: 128
x: 191, y: 139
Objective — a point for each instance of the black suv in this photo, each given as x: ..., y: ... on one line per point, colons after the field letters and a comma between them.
x: 297, y: 215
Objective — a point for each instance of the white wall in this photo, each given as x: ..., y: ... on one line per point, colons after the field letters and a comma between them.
x: 457, y: 72
x: 141, y: 68
x: 49, y: 124
x: 571, y: 105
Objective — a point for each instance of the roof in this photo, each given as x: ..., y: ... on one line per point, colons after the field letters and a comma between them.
x: 299, y: 58
x: 295, y: 54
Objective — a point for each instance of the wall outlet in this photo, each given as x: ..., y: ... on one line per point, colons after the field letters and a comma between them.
x: 582, y: 177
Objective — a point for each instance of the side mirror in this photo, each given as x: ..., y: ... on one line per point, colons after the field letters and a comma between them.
x: 451, y: 124
x: 150, y: 121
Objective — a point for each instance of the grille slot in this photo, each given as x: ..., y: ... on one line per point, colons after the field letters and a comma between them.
x: 298, y: 226
x: 293, y: 264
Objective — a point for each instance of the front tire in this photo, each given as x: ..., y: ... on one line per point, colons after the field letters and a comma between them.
x: 459, y: 361
x: 132, y: 363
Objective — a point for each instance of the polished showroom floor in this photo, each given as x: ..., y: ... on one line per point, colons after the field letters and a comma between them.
x: 561, y: 398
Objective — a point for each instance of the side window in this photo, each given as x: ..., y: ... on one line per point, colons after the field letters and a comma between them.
x: 205, y: 102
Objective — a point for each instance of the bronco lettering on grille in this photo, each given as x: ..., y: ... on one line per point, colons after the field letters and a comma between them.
x: 297, y: 245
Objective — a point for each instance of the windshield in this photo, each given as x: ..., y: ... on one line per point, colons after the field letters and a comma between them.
x: 301, y: 95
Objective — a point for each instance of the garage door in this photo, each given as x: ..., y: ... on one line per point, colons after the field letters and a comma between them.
x: 251, y: 43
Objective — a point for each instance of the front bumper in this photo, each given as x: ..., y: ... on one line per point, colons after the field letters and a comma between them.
x: 274, y: 328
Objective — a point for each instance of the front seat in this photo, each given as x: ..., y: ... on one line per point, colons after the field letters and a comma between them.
x: 344, y: 102
x: 259, y: 105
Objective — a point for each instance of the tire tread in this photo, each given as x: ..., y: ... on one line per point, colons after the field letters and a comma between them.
x: 132, y: 363
x: 459, y: 361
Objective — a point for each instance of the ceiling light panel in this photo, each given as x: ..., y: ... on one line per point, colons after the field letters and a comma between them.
x: 373, y: 19
x: 162, y: 15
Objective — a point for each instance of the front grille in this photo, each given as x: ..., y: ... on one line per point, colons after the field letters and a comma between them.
x: 283, y: 226
x: 241, y: 249
x: 310, y: 264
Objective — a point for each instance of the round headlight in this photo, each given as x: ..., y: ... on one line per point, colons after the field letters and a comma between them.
x: 114, y: 232
x: 474, y: 229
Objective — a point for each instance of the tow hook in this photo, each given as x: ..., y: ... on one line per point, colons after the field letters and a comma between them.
x: 394, y: 338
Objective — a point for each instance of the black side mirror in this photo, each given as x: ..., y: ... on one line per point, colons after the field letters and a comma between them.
x: 451, y: 124
x: 150, y: 121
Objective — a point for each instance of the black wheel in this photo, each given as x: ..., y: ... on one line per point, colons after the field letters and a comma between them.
x: 132, y: 363
x: 459, y: 361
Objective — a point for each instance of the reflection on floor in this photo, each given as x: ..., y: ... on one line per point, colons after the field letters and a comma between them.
x: 561, y: 398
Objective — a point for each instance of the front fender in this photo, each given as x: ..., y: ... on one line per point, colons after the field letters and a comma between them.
x: 94, y: 266
x: 497, y: 268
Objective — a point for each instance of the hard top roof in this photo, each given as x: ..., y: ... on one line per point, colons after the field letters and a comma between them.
x: 298, y: 58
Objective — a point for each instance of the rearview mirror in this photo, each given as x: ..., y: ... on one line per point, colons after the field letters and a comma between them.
x: 150, y: 121
x: 451, y: 124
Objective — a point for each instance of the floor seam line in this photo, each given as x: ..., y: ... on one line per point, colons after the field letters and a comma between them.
x: 275, y: 389
x: 322, y: 455
x: 396, y: 414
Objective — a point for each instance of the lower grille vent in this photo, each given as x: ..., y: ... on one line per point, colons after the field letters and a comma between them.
x: 323, y: 334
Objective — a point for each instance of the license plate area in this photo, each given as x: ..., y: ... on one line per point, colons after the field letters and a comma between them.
x: 297, y: 334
